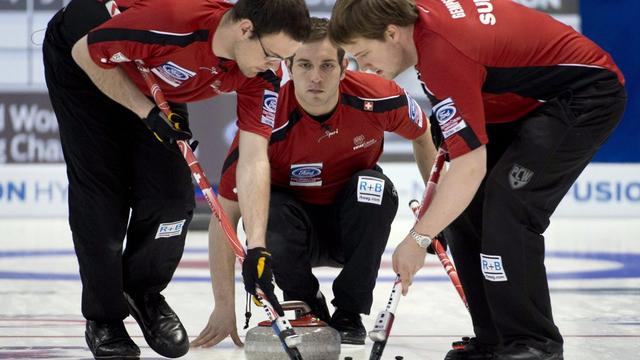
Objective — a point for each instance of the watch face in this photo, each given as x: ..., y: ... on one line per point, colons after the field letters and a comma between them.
x: 422, y: 240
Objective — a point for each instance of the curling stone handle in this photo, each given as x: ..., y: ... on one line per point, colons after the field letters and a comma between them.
x: 295, y: 305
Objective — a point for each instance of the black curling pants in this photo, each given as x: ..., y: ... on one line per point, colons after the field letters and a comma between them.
x: 497, y: 242
x: 349, y: 234
x: 122, y: 181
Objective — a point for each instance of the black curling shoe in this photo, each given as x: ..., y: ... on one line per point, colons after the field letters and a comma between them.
x: 160, y: 325
x: 350, y: 327
x: 110, y: 341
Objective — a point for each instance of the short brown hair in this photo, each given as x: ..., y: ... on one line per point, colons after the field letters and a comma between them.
x: 274, y: 16
x: 319, y: 32
x: 368, y: 18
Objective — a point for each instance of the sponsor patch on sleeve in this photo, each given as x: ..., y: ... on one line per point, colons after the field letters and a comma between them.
x: 306, y: 174
x: 415, y: 112
x: 492, y: 268
x: 269, y: 106
x: 166, y: 230
x: 448, y: 118
x: 370, y: 190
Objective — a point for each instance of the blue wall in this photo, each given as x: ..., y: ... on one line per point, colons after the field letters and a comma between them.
x: 613, y: 24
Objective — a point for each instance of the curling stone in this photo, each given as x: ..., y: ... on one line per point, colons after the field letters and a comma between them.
x: 319, y: 340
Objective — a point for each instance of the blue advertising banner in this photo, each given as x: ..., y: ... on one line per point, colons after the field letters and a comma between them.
x: 613, y: 26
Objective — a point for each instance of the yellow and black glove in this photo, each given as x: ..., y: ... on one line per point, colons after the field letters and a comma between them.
x: 256, y: 271
x: 168, y: 129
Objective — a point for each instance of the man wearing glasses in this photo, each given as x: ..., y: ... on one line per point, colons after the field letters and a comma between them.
x: 123, y: 181
x: 267, y: 55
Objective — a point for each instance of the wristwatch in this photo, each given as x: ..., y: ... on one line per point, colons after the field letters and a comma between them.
x: 423, y: 240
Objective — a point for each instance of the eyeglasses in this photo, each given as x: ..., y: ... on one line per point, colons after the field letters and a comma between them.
x: 268, y: 57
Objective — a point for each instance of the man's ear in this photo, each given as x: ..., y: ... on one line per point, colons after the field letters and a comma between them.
x: 345, y: 62
x: 343, y: 68
x: 289, y: 63
x: 246, y: 28
x: 392, y: 33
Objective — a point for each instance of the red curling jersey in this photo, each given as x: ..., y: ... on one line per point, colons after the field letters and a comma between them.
x: 313, y: 159
x: 492, y: 61
x: 173, y: 38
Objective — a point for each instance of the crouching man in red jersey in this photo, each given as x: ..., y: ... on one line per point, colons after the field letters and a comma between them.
x: 330, y: 204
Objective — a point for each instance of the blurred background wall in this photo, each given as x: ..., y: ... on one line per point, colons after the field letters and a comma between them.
x: 32, y: 173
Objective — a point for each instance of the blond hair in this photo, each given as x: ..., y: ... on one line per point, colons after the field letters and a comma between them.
x: 368, y: 19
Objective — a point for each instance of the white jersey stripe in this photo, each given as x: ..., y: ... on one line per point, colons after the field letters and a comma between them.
x: 378, y: 99
x: 170, y: 33
x: 583, y: 65
x: 281, y: 127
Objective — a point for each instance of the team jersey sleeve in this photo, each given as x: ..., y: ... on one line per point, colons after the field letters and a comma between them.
x: 408, y: 121
x: 258, y: 102
x: 455, y: 83
x: 120, y: 40
x: 227, y: 185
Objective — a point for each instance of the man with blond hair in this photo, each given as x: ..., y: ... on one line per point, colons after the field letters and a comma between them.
x: 522, y: 103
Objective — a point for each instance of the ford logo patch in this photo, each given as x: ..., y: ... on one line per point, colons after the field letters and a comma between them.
x: 175, y: 72
x: 306, y: 172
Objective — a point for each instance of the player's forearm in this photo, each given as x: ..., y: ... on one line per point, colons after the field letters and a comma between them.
x: 425, y: 154
x: 455, y: 191
x: 253, y: 183
x: 112, y: 82
x: 221, y: 256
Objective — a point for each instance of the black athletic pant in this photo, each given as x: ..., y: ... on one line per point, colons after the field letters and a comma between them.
x: 349, y: 234
x: 122, y: 181
x: 497, y: 243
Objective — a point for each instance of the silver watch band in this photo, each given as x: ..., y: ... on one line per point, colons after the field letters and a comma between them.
x: 422, y: 240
